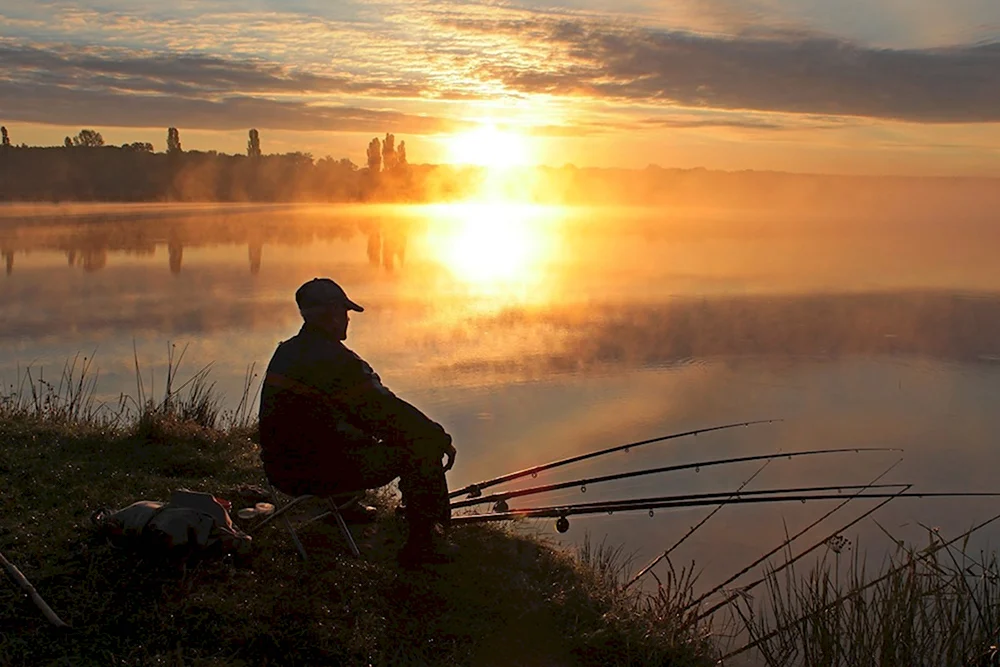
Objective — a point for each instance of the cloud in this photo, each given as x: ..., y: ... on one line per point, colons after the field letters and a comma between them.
x: 118, y: 87
x: 110, y: 109
x: 742, y: 121
x: 687, y: 119
x: 789, y: 72
x: 306, y: 72
x: 182, y: 73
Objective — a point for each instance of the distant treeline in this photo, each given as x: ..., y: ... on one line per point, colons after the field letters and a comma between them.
x: 125, y: 175
x: 85, y: 169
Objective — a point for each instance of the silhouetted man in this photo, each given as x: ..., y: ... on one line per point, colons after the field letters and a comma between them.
x: 329, y: 426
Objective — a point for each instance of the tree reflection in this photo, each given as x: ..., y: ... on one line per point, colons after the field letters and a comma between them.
x: 88, y: 243
x: 387, y: 246
x: 175, y: 252
x: 255, y: 252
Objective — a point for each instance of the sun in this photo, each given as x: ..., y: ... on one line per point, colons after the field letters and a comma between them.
x: 488, y: 146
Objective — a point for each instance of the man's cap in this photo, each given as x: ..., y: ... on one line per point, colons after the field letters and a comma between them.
x: 323, y: 292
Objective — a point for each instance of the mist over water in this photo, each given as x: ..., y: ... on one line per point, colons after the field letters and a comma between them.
x: 538, y: 332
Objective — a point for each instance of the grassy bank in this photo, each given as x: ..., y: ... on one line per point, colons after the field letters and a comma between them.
x: 507, y: 600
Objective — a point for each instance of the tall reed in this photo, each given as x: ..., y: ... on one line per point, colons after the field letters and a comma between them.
x: 72, y: 399
x: 69, y: 399
x: 938, y: 605
x: 644, y: 620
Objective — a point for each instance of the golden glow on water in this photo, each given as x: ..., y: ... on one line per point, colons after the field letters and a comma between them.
x: 497, y: 250
x: 534, y: 333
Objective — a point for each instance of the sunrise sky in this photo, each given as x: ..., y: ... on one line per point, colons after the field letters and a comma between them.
x: 856, y: 86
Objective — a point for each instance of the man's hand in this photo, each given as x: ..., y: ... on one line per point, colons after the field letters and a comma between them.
x: 450, y: 453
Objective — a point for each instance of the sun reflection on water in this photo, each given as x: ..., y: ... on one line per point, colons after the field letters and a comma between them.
x: 494, y: 249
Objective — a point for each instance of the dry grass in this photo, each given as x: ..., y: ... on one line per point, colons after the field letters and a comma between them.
x: 508, y: 600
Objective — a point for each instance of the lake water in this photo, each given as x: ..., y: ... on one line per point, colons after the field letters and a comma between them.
x: 537, y: 333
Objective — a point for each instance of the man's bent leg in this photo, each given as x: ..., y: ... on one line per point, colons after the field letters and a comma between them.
x: 425, y: 492
x: 424, y: 488
x: 428, y: 512
x: 421, y: 478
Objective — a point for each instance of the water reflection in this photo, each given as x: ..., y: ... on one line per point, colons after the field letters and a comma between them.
x: 88, y: 240
x: 255, y: 252
x: 492, y: 244
x: 559, y: 296
x: 175, y: 255
x: 501, y: 256
x: 387, y: 245
x: 534, y: 334
x: 497, y: 253
x: 90, y: 259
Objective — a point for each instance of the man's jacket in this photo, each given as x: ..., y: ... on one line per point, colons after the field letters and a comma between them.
x: 320, y: 399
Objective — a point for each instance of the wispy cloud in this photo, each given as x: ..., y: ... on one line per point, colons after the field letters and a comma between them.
x: 422, y: 66
x: 108, y: 109
x: 750, y: 121
x: 182, y: 73
x: 119, y: 87
x: 780, y: 72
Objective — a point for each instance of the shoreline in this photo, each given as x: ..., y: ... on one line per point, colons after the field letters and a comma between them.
x: 507, y: 598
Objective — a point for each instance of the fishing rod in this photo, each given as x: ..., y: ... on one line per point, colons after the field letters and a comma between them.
x: 691, y: 531
x: 784, y: 566
x: 500, y: 499
x: 788, y: 540
x: 561, y: 512
x: 722, y: 495
x: 959, y: 568
x: 915, y: 557
x: 476, y: 490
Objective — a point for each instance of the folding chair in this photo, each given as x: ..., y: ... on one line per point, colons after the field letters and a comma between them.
x: 281, y: 511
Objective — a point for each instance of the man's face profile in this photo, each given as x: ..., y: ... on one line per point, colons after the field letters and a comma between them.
x: 339, y: 319
x: 332, y: 318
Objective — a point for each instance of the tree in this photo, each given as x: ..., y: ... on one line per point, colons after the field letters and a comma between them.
x: 299, y: 158
x: 173, y: 141
x: 139, y: 147
x: 389, y: 152
x: 401, y: 154
x: 88, y: 139
x: 67, y: 142
x: 374, y: 156
x: 253, y: 145
x: 4, y: 137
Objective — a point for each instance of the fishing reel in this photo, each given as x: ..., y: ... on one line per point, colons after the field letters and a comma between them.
x: 501, y: 506
x: 562, y: 524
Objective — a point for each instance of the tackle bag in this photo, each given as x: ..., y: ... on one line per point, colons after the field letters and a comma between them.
x: 190, y: 523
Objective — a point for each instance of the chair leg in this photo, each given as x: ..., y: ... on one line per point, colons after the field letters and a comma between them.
x: 295, y: 538
x: 335, y: 510
x: 283, y: 513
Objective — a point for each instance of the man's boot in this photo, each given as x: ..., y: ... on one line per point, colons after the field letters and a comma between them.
x: 427, y: 544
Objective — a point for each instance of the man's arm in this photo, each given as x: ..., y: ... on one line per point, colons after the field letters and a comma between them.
x: 372, y: 407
